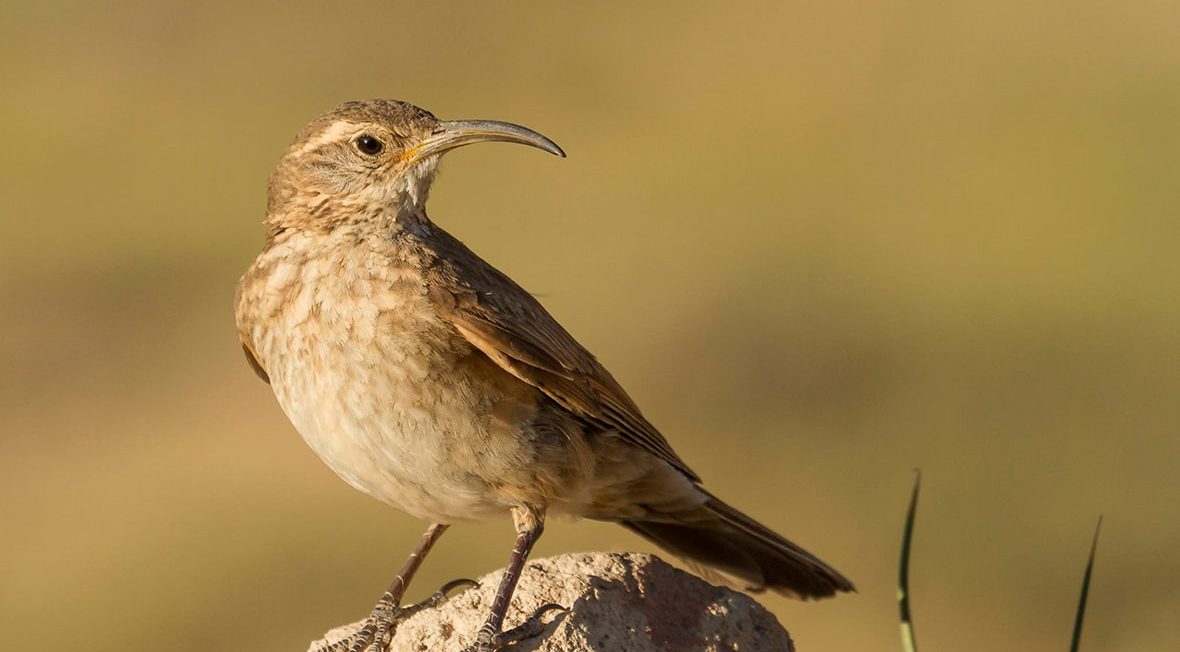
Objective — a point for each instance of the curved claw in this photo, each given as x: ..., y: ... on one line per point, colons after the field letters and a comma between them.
x: 454, y: 584
x: 438, y: 597
x: 531, y: 627
x: 546, y: 608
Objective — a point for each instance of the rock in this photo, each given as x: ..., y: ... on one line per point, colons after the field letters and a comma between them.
x: 617, y: 603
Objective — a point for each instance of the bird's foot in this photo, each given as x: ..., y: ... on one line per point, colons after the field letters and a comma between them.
x: 489, y: 641
x: 382, y: 622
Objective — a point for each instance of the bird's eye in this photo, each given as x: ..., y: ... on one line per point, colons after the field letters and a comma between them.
x: 369, y: 145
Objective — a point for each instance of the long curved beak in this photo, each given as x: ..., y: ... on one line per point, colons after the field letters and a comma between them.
x: 457, y: 133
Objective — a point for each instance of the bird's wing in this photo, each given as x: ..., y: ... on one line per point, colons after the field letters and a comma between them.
x: 513, y: 329
x: 253, y: 360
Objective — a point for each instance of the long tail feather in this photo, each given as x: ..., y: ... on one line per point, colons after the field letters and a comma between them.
x: 739, y: 550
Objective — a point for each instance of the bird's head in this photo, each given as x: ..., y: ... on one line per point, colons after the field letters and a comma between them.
x: 373, y: 158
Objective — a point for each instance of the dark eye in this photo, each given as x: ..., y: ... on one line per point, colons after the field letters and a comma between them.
x: 369, y: 145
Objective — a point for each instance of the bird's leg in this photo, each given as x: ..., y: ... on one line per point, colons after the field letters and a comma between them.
x: 380, y: 624
x: 530, y: 522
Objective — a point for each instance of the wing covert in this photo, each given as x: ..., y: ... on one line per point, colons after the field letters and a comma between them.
x: 513, y: 329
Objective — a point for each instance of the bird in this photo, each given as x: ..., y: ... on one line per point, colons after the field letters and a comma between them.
x: 428, y: 379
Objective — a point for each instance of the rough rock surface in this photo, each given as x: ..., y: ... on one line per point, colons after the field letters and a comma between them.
x: 617, y: 603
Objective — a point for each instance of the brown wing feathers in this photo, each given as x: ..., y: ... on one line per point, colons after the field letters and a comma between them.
x: 513, y: 329
x: 585, y: 392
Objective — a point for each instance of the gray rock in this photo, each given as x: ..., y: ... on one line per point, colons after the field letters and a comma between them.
x: 617, y: 603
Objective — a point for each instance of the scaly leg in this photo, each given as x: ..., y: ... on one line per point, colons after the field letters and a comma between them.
x: 387, y: 613
x: 530, y: 522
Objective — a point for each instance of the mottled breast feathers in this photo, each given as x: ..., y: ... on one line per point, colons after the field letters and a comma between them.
x: 507, y: 324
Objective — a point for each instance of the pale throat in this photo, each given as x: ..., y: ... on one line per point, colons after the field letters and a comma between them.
x: 403, y: 197
x: 413, y: 185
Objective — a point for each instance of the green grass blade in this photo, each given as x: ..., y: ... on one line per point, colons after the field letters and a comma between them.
x: 1077, y: 623
x: 908, y: 641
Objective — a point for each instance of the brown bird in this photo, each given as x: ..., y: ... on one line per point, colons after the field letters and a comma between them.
x: 428, y: 379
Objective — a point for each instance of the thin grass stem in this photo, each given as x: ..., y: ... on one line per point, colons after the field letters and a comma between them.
x: 908, y: 640
x: 1081, y: 615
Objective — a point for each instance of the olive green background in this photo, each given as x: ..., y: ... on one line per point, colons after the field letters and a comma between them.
x: 821, y: 244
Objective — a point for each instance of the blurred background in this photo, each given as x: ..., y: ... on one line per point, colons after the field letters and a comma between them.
x: 821, y: 244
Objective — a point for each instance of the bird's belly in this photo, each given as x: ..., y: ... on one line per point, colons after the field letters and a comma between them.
x: 399, y: 415
x: 393, y: 440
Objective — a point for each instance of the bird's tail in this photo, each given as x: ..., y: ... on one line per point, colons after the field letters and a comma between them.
x: 724, y: 544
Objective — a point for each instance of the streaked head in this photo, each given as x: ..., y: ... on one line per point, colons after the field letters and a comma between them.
x: 373, y: 155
